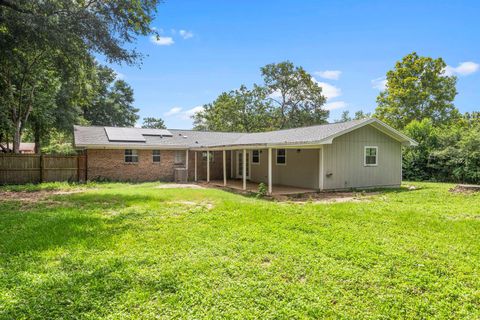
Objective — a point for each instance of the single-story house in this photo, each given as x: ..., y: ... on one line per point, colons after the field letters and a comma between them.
x: 355, y: 154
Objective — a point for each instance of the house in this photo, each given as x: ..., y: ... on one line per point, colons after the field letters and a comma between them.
x: 25, y: 147
x: 355, y: 154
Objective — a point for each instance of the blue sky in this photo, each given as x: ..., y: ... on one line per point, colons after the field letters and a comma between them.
x: 207, y: 47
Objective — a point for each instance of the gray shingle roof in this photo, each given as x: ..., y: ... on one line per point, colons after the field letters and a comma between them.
x: 96, y: 136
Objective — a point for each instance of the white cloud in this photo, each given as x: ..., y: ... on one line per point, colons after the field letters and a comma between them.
x: 328, y: 90
x: 173, y: 111
x: 329, y: 74
x: 162, y: 41
x: 335, y: 105
x: 379, y: 83
x: 185, y: 34
x: 463, y: 69
x: 187, y: 114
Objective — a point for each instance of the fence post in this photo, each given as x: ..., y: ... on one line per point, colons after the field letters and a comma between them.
x: 42, y: 173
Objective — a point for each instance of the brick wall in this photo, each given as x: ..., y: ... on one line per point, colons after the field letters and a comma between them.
x: 110, y: 164
x: 216, y: 167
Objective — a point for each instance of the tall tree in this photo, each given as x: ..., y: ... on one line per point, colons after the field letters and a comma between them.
x: 417, y: 88
x: 239, y: 110
x: 112, y: 104
x: 61, y: 35
x: 153, y: 123
x: 297, y: 96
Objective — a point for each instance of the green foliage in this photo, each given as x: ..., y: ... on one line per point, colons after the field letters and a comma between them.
x: 153, y: 123
x: 445, y: 153
x: 59, y: 143
x: 417, y: 88
x: 44, y: 43
x: 289, y: 97
x: 358, y: 116
x: 262, y: 190
x: 239, y: 110
x: 132, y: 251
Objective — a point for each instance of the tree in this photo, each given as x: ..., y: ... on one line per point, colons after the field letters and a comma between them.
x: 153, y: 123
x: 37, y: 37
x: 239, y: 110
x: 112, y: 103
x: 358, y: 116
x: 417, y: 88
x: 297, y: 96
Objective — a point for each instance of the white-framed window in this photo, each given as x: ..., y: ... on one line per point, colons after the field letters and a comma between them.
x: 155, y: 156
x: 131, y: 156
x: 281, y: 157
x: 255, y: 156
x: 370, y: 156
x: 204, y: 156
x: 180, y: 157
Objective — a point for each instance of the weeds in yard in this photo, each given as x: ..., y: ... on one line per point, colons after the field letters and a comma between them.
x: 136, y: 251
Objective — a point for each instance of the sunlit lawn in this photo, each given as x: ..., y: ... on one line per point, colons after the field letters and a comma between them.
x: 122, y: 251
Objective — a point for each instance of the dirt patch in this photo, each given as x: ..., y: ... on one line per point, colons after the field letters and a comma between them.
x: 178, y: 186
x: 33, y: 196
x: 203, y: 204
x: 328, y: 197
x: 465, y: 188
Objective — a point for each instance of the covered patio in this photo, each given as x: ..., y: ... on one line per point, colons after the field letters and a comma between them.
x: 239, y: 173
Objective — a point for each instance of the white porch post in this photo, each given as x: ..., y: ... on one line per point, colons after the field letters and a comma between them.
x: 244, y: 169
x: 186, y: 162
x: 320, y: 169
x: 224, y: 168
x: 232, y: 173
x: 269, y: 170
x: 208, y: 166
x: 196, y: 177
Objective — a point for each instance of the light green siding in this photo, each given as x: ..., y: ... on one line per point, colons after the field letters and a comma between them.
x: 344, y: 161
x: 301, y: 169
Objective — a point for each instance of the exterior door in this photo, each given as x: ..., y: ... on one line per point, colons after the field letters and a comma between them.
x: 240, y: 165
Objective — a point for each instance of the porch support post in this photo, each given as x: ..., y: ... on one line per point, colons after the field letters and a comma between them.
x: 244, y: 169
x: 208, y: 165
x: 224, y: 168
x: 196, y: 177
x: 232, y: 173
x: 269, y: 170
x: 320, y: 169
x: 186, y: 162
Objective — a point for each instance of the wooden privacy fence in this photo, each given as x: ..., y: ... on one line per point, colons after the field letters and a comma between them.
x: 34, y: 168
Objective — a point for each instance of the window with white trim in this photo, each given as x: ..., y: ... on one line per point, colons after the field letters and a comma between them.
x: 281, y: 156
x: 255, y: 156
x: 371, y: 156
x: 156, y: 156
x: 204, y: 156
x: 131, y: 156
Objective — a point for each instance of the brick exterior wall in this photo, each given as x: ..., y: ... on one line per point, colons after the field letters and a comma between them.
x: 110, y: 164
x: 216, y: 167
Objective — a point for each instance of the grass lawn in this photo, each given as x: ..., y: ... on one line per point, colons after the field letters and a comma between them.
x: 121, y: 251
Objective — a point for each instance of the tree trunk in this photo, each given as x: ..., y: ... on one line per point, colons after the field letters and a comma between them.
x: 38, y: 144
x: 17, y: 137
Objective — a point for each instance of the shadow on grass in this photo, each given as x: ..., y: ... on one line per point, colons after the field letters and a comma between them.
x: 57, y: 259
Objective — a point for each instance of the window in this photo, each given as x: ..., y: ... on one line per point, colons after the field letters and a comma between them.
x: 371, y: 156
x: 204, y: 156
x: 180, y: 157
x: 256, y: 156
x: 281, y: 156
x: 131, y: 156
x: 156, y: 156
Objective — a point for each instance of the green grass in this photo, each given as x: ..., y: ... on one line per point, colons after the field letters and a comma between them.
x: 123, y: 251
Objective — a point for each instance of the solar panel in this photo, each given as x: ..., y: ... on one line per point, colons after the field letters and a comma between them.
x: 156, y: 132
x: 124, y: 134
